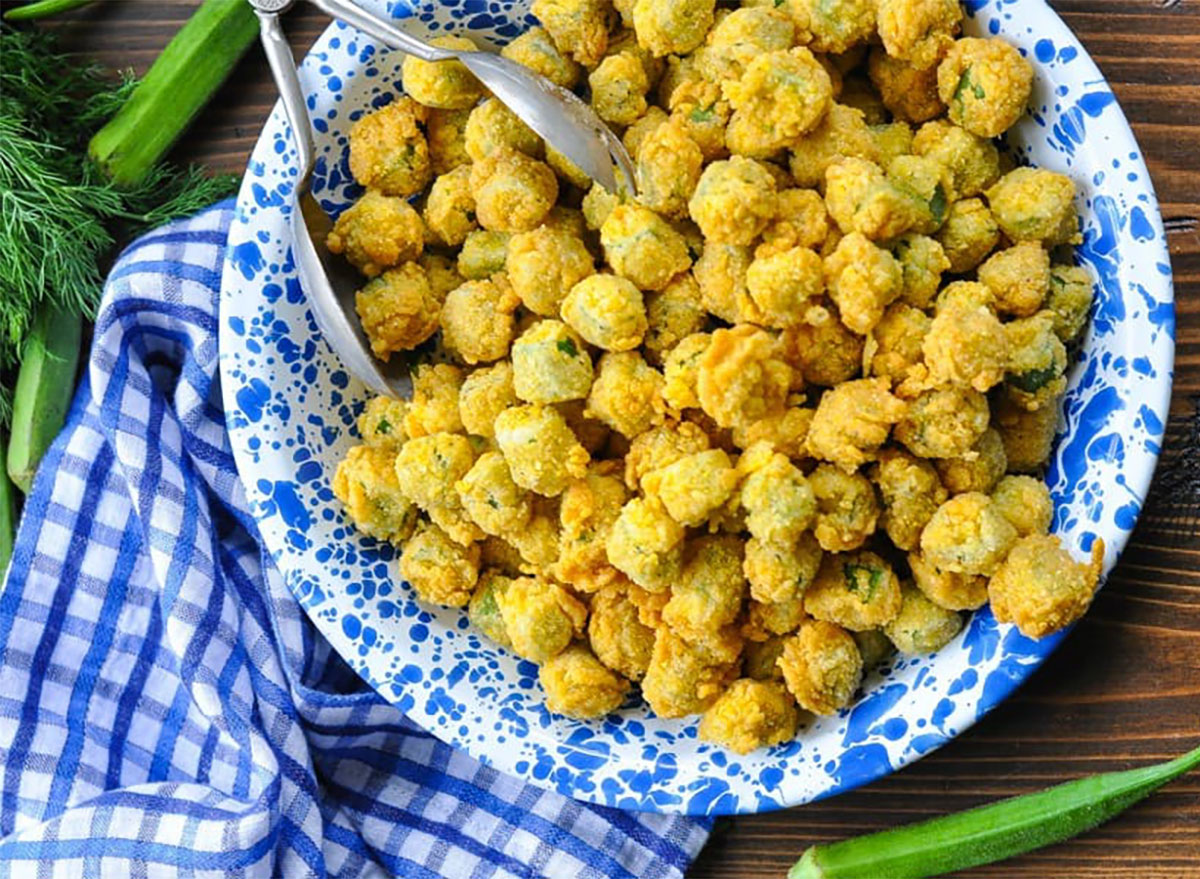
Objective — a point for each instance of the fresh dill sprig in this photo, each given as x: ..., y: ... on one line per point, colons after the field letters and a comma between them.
x: 60, y: 219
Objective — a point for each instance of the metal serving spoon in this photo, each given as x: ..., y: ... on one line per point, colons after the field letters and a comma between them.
x: 562, y: 118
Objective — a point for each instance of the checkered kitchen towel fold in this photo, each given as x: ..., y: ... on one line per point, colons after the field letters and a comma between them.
x: 166, y: 708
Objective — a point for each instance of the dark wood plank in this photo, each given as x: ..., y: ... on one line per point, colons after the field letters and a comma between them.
x: 1125, y: 688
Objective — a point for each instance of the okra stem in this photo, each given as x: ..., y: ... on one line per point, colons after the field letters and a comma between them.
x: 989, y: 833
x: 177, y: 85
x: 43, y: 9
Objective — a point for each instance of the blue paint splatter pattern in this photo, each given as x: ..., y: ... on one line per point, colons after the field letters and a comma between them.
x: 291, y: 409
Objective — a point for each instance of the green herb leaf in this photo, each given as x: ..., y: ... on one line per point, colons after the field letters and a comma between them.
x: 384, y: 426
x: 567, y: 346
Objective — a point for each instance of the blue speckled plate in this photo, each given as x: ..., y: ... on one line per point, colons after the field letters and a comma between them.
x: 291, y: 411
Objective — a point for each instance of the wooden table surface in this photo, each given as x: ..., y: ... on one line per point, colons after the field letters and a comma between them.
x: 1124, y: 689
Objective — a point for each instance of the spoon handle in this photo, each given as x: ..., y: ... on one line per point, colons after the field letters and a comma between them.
x: 283, y: 69
x: 386, y: 33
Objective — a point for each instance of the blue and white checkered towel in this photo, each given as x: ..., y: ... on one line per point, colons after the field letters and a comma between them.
x: 166, y: 708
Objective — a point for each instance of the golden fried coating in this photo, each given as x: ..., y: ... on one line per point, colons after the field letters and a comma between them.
x: 540, y: 617
x: 686, y: 677
x: 626, y: 394
x: 779, y: 502
x: 943, y: 422
x: 484, y: 394
x: 607, y: 311
x: 911, y: 492
x: 837, y: 25
x: 783, y: 286
x: 483, y: 610
x: 577, y: 684
x: 922, y: 262
x: 377, y: 232
x: 1070, y: 300
x: 445, y: 132
x: 856, y: 590
x: 860, y: 198
x: 733, y: 201
x: 781, y: 96
x: 619, y: 86
x: 672, y: 314
x: 643, y: 247
x: 492, y: 126
x: 491, y: 499
x: 852, y: 421
x: 382, y: 423
x: 968, y: 535
x: 918, y: 31
x: 847, y: 509
x: 477, y: 320
x: 694, y: 486
x: 542, y: 451
x: 660, y: 447
x: 1028, y: 435
x: 646, y: 545
x: 1033, y: 204
x: 579, y: 28
x: 711, y: 587
x: 966, y: 345
x: 968, y: 235
x: 588, y: 510
x: 388, y: 150
x: 909, y: 92
x: 985, y: 85
x: 843, y: 132
x: 399, y: 310
x: 825, y: 353
x: 483, y: 254
x: 921, y: 626
x: 893, y: 350
x: 441, y: 570
x: 544, y: 264
x: 672, y: 27
x: 781, y: 571
x: 742, y: 376
x: 513, y: 192
x: 447, y: 85
x: 550, y: 364
x: 720, y: 273
x: 1041, y: 587
x: 1025, y: 502
x: 821, y: 667
x: 751, y: 714
x: 863, y: 280
x: 785, y: 432
x: 948, y: 589
x: 365, y: 482
x: 978, y: 469
x: 1019, y: 277
x: 668, y: 168
x: 434, y: 406
x: 620, y: 640
x: 681, y: 369
x: 537, y: 51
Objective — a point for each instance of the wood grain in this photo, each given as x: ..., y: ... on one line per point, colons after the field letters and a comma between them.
x: 1124, y: 689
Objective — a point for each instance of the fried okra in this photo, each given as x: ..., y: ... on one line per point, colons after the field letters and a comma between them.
x: 909, y: 92
x: 483, y: 254
x: 843, y: 132
x: 643, y: 247
x: 377, y: 232
x: 536, y: 50
x: 711, y: 587
x: 484, y: 394
x: 540, y: 617
x: 491, y: 499
x: 646, y: 545
x: 445, y: 134
x: 852, y: 421
x: 742, y: 376
x: 985, y: 85
x: 578, y: 684
x: 968, y: 235
x: 686, y: 677
x: 672, y: 314
x: 978, y: 469
x: 949, y: 589
x: 1028, y: 435
x: 943, y: 422
x: 1033, y: 204
x: 608, y: 311
x: 911, y: 492
x: 847, y: 509
x: 694, y: 486
x: 483, y: 610
x: 388, y: 150
x: 966, y: 345
x: 921, y: 626
x: 441, y: 570
x: 672, y: 27
x: 477, y: 320
x: 668, y: 169
x: 587, y: 512
x: 1025, y: 502
x: 751, y: 714
x: 617, y: 636
x: 780, y: 96
x: 681, y: 368
x: 541, y: 450
x: 399, y: 310
x: 825, y: 353
x: 365, y: 482
x: 543, y: 265
x: 779, y: 502
x: 626, y: 393
x: 619, y: 86
x: 513, y: 192
x: 821, y: 667
x: 492, y: 126
x: 550, y: 364
x: 733, y: 201
x: 579, y: 28
x: 1041, y: 587
x: 1070, y: 300
x: 382, y: 423
x: 1037, y: 361
x: 856, y: 591
x: 863, y: 280
x: 434, y: 406
x: 837, y: 25
x: 447, y: 85
x: 968, y: 535
x: 784, y: 285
